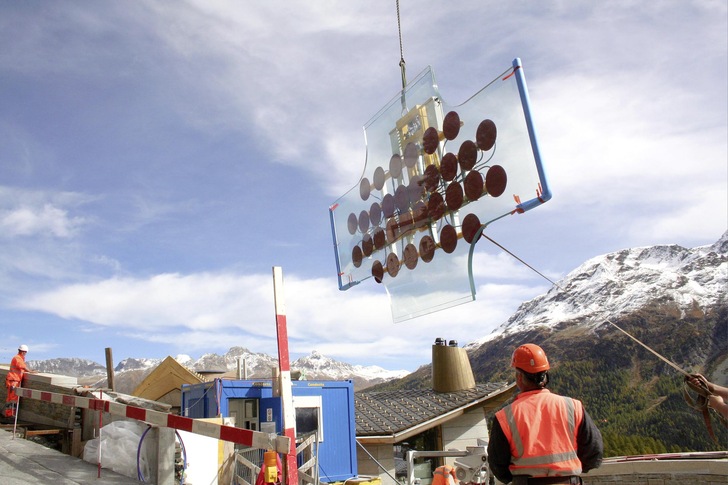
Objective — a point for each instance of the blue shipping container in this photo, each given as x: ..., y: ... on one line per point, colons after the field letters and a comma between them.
x: 326, y: 407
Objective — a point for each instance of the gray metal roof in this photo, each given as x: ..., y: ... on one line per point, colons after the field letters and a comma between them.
x: 389, y: 413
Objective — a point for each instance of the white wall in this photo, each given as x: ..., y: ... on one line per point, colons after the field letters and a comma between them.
x: 464, y: 431
x: 384, y: 454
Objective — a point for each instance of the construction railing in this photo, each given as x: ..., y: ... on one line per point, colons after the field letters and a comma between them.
x: 253, y: 439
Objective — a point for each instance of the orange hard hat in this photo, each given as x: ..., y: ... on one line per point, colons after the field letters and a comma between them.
x: 530, y: 358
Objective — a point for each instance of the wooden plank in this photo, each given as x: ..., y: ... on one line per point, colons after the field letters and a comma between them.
x: 41, y: 432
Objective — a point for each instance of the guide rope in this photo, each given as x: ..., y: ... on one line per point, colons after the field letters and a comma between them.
x: 699, y: 403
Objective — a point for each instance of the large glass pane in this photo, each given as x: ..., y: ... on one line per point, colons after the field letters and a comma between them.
x: 434, y: 176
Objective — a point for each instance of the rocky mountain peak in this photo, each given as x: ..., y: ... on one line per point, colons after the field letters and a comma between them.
x: 624, y: 281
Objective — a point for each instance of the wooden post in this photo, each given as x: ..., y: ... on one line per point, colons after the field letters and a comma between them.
x: 109, y: 369
x: 290, y: 465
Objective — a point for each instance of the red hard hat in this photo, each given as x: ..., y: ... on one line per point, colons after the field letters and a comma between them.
x: 530, y: 358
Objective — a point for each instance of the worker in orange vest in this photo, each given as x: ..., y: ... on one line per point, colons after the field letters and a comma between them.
x: 541, y: 438
x: 444, y: 475
x: 14, y: 379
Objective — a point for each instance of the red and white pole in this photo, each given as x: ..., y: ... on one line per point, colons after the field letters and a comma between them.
x: 290, y: 465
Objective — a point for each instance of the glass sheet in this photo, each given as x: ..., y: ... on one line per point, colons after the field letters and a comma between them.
x: 435, y: 175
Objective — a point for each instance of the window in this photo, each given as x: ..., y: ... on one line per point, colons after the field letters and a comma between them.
x: 309, y: 417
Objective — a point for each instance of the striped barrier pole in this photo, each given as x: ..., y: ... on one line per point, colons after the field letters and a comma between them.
x: 254, y: 439
x: 284, y: 364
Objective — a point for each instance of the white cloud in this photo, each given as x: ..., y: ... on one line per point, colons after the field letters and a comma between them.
x: 637, y: 158
x: 199, y: 302
x: 37, y: 213
x: 30, y: 221
x: 200, y: 311
x: 207, y: 341
x: 8, y: 350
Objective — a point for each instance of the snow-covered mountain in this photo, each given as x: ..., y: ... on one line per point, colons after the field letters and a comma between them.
x: 136, y: 364
x: 68, y: 367
x: 256, y: 365
x: 317, y: 366
x: 620, y: 283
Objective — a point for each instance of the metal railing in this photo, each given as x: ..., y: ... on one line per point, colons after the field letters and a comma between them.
x: 248, y: 460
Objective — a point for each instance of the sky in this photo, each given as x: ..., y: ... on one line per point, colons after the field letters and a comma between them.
x: 158, y: 159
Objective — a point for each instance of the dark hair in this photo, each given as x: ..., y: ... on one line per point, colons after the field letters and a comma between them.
x: 539, y: 379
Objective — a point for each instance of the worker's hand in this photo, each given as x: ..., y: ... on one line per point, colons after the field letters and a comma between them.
x: 700, y: 382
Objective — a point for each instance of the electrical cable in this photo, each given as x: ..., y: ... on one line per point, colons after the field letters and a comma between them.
x: 140, y: 475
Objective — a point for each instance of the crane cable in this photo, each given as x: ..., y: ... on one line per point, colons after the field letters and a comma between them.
x: 699, y: 403
x: 401, y: 50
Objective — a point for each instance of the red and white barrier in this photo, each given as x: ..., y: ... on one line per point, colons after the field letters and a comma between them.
x: 255, y: 439
x: 284, y: 364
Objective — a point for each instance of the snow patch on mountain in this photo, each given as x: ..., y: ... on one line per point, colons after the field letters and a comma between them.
x: 619, y: 283
x: 136, y: 364
x: 317, y: 364
x: 184, y: 359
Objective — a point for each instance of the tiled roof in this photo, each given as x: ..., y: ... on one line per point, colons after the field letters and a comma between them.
x: 391, y: 412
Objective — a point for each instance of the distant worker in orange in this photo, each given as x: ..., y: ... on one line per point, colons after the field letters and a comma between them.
x: 718, y: 398
x: 541, y: 438
x: 14, y: 379
x: 444, y: 475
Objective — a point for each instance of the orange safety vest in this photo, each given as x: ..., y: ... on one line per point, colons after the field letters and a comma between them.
x: 444, y: 475
x: 541, y: 428
x: 17, y: 369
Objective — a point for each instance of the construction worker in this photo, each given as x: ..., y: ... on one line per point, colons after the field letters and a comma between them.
x: 541, y: 438
x: 14, y: 379
x: 444, y: 475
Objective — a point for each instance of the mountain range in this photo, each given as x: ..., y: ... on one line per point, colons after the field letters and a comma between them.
x: 131, y: 371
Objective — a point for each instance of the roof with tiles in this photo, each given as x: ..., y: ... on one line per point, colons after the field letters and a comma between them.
x: 392, y: 412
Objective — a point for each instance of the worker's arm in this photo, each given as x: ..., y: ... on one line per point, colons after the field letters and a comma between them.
x: 590, y: 447
x: 718, y: 403
x: 719, y: 394
x: 499, y: 453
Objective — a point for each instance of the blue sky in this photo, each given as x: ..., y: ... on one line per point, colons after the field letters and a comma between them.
x: 158, y: 159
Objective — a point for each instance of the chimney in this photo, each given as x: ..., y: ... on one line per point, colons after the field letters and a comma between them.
x: 450, y: 367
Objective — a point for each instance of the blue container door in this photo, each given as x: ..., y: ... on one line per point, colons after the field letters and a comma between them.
x: 271, y: 415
